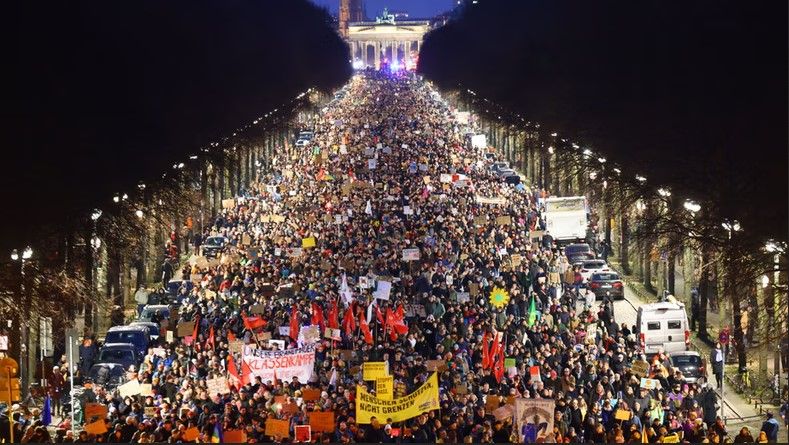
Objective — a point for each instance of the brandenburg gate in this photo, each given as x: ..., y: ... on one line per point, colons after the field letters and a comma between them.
x: 386, y: 41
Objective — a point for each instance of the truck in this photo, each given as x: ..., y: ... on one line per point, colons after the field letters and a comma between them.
x: 566, y: 218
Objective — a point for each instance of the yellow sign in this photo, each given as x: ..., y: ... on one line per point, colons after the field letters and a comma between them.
x: 375, y: 370
x: 384, y: 388
x: 308, y: 242
x: 424, y: 399
x: 499, y: 297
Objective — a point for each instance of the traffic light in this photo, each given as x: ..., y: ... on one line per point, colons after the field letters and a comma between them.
x: 9, y: 382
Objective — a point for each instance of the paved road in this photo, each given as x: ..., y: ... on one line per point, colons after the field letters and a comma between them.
x: 736, y: 410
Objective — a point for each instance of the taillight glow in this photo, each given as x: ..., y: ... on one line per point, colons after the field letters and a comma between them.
x: 617, y: 284
x: 643, y: 340
x: 594, y: 285
x: 687, y: 337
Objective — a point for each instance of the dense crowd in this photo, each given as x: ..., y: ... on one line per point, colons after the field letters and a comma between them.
x: 437, y: 317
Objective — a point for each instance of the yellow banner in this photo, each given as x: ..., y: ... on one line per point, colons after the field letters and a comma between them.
x: 423, y: 400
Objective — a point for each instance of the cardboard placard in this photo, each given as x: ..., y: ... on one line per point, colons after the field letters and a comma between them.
x: 505, y: 220
x: 235, y: 436
x: 492, y: 403
x: 236, y: 346
x: 191, y: 434
x: 277, y: 428
x: 622, y: 414
x: 640, y: 368
x: 246, y: 240
x: 310, y: 334
x: 169, y: 337
x: 289, y: 409
x: 462, y: 297
x: 98, y: 427
x: 461, y: 389
x: 322, y: 422
x: 332, y: 334
x: 95, y: 410
x: 146, y: 389
x: 150, y: 411
x: 307, y: 243
x: 436, y: 365
x: 302, y: 433
x: 516, y: 259
x: 129, y: 389
x: 217, y: 385
x: 229, y: 204
x: 412, y: 254
x: 310, y: 394
x: 480, y: 220
x: 473, y: 289
x: 257, y: 309
x: 650, y: 383
x: 375, y: 370
x: 185, y: 328
x: 415, y: 310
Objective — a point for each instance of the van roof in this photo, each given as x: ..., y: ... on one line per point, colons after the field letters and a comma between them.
x: 662, y: 306
x: 126, y: 328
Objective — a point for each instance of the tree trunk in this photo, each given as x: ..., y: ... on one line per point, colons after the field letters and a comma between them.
x: 704, y: 284
x: 624, y: 258
x: 671, y: 272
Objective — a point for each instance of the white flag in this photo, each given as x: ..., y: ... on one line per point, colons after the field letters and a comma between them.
x: 345, y: 291
x: 369, y: 208
x: 333, y: 378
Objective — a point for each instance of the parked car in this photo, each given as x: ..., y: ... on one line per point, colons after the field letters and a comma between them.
x: 512, y: 179
x: 589, y: 267
x: 498, y: 166
x: 149, y: 310
x: 302, y: 142
x: 136, y: 335
x: 576, y: 253
x: 607, y: 284
x: 306, y: 135
x: 154, y: 329
x: 122, y: 354
x: 692, y: 365
x: 214, y: 246
x: 107, y: 375
x: 173, y: 286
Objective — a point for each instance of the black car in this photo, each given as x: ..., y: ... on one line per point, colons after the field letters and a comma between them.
x: 123, y: 354
x: 691, y: 364
x: 108, y: 375
x: 214, y: 246
x: 607, y: 284
x: 576, y: 253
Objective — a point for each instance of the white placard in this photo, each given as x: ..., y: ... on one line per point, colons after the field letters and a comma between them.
x: 383, y: 290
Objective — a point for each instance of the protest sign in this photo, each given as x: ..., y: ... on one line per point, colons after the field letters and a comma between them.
x: 98, y: 427
x: 146, y: 389
x: 217, y: 385
x: 302, y: 433
x: 649, y: 383
x: 95, y: 410
x: 310, y: 334
x: 374, y: 370
x: 235, y: 436
x: 130, y: 388
x: 277, y: 428
x: 503, y: 413
x: 622, y: 414
x: 383, y: 290
x: 534, y: 419
x: 384, y: 388
x: 463, y: 297
x: 332, y: 334
x: 322, y: 421
x: 286, y: 364
x: 310, y: 394
x: 411, y: 254
x: 489, y: 200
x: 505, y: 220
x: 407, y: 210
x: 436, y: 365
x: 640, y: 368
x: 228, y: 203
x: 307, y: 243
x: 185, y: 328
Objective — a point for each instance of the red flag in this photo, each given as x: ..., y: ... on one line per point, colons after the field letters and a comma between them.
x: 317, y: 316
x: 295, y: 324
x: 246, y: 373
x: 275, y: 378
x: 399, y: 321
x: 498, y: 364
x: 485, y: 352
x: 254, y: 322
x: 230, y: 335
x: 333, y: 316
x: 368, y: 336
x: 493, y: 351
x: 349, y: 322
x: 211, y: 338
x: 378, y: 315
x: 388, y: 325
x: 232, y: 369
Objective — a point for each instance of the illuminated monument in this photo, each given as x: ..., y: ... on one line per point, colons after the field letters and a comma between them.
x: 386, y: 41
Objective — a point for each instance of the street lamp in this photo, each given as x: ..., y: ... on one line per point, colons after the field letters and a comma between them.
x: 691, y: 206
x: 601, y: 160
x: 139, y: 213
x: 26, y: 254
x: 550, y: 149
x: 641, y: 179
x: 730, y: 227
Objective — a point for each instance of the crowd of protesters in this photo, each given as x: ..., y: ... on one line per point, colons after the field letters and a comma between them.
x: 362, y: 219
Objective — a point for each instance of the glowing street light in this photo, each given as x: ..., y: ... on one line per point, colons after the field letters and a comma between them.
x: 641, y: 179
x: 730, y: 227
x: 139, y: 214
x: 96, y: 214
x: 691, y: 206
x: 664, y: 192
x: 26, y: 254
x: 602, y: 160
x: 550, y: 149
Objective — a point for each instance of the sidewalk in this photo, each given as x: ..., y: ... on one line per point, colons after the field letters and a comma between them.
x: 737, y: 412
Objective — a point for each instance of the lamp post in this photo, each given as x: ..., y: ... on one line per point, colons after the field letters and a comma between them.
x: 26, y: 255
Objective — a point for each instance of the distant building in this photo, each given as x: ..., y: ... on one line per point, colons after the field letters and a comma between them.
x: 350, y: 11
x: 386, y: 42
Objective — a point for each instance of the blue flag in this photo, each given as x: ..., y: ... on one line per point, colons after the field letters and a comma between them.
x: 46, y: 413
x: 218, y: 436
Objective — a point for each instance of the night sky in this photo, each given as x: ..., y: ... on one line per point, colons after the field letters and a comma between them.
x: 415, y: 8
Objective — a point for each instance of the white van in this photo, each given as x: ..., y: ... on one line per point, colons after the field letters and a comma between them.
x: 663, y: 326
